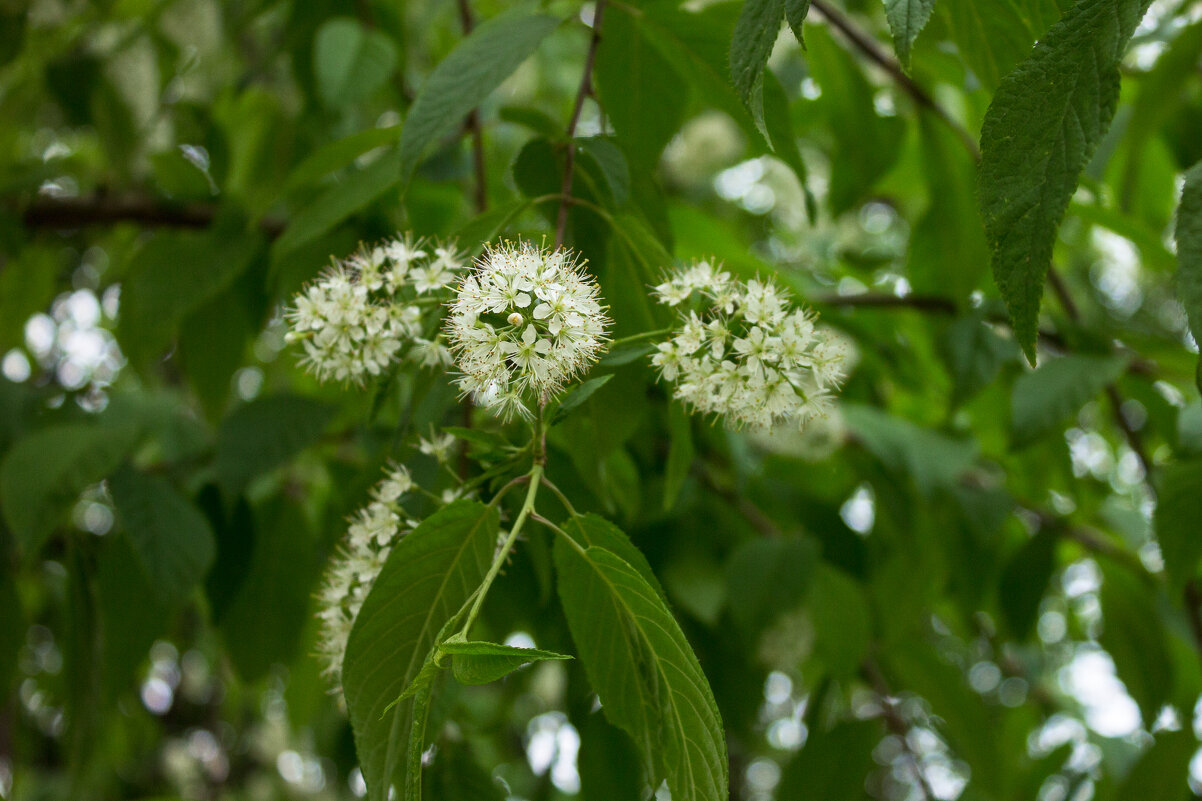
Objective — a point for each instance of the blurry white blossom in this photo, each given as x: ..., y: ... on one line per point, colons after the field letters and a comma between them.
x: 524, y: 322
x: 373, y: 531
x: 742, y: 351
x: 358, y: 317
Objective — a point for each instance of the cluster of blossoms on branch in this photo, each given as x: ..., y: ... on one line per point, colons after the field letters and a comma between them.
x: 373, y: 531
x: 742, y: 351
x: 359, y: 316
x: 524, y: 322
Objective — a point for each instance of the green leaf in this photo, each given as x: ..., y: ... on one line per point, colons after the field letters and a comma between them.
x: 482, y: 229
x: 467, y: 76
x: 751, y: 44
x: 642, y: 94
x: 173, y: 275
x: 171, y: 537
x: 642, y: 668
x: 578, y: 395
x: 43, y: 474
x: 1188, y: 234
x: 1178, y: 510
x: 212, y: 343
x: 768, y: 577
x: 265, y: 433
x: 350, y: 61
x: 993, y: 37
x: 429, y: 575
x: 588, y: 530
x: 906, y: 19
x: 932, y: 459
x: 842, y: 618
x: 974, y: 353
x: 1134, y: 635
x: 26, y: 287
x: 485, y: 662
x: 455, y: 775
x: 12, y: 633
x: 350, y: 195
x: 1043, y: 126
x: 1043, y: 398
x: 281, y: 577
x: 130, y: 615
x: 680, y: 454
x: 833, y: 764
x: 1024, y: 580
x: 1162, y: 772
x: 338, y: 154
x: 795, y: 15
x: 608, y: 763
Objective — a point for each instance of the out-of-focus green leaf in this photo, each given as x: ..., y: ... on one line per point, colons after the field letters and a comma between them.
x: 1043, y: 126
x: 1162, y: 772
x: 429, y: 574
x: 907, y: 18
x: 644, y: 671
x: 975, y: 353
x: 468, y: 75
x: 1178, y: 511
x: 833, y: 763
x: 44, y: 472
x: 1043, y: 398
x: 1189, y: 249
x: 27, y: 285
x: 608, y: 763
x: 767, y: 577
x: 455, y: 775
x: 842, y: 618
x: 1024, y: 580
x: 932, y: 459
x: 680, y: 454
x: 130, y: 615
x: 339, y: 153
x: 263, y: 434
x: 172, y: 539
x: 1134, y: 635
x: 351, y: 61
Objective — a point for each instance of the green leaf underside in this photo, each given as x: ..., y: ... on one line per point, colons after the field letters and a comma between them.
x: 467, y: 76
x: 1045, y: 397
x: 485, y: 662
x: 906, y: 19
x: 593, y: 529
x: 1043, y: 126
x: 428, y: 576
x: 171, y: 538
x: 45, y: 472
x: 642, y: 668
x: 1188, y: 234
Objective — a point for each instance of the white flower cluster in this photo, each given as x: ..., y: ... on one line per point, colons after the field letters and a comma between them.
x: 357, y: 317
x: 743, y: 352
x: 524, y: 322
x: 373, y: 531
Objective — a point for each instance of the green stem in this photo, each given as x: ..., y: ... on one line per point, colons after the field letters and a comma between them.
x: 639, y: 337
x: 535, y: 475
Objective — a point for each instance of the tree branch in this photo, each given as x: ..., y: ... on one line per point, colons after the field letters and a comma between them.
x: 895, y: 722
x: 875, y: 53
x: 480, y: 194
x: 586, y: 88
x: 81, y: 212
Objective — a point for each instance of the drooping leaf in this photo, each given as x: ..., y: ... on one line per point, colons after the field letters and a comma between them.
x: 428, y: 576
x: 1043, y: 398
x: 1024, y: 580
x: 588, y: 530
x: 263, y: 434
x: 1134, y: 635
x: 44, y: 472
x: 643, y: 95
x: 1189, y: 249
x: 833, y: 763
x: 795, y: 15
x: 842, y: 618
x: 974, y: 353
x: 931, y: 458
x: 1162, y: 771
x: 1178, y: 510
x: 485, y: 662
x: 754, y: 35
x: 644, y: 671
x: 171, y: 537
x: 468, y: 75
x: 339, y: 153
x: 907, y: 18
x: 351, y: 61
x: 767, y: 577
x: 1043, y: 126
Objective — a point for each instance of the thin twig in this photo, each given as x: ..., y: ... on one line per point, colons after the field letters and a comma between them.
x: 81, y: 212
x: 1193, y: 611
x: 480, y: 193
x: 586, y: 88
x: 869, y: 47
x: 895, y: 722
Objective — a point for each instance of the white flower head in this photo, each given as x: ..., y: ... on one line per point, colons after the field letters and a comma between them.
x: 743, y: 352
x: 359, y: 317
x: 524, y: 322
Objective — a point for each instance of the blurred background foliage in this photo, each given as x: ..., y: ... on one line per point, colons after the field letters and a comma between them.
x: 959, y: 585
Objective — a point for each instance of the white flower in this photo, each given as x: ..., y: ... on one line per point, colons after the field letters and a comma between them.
x: 524, y: 322
x: 372, y: 532
x: 439, y: 446
x: 357, y: 319
x: 742, y: 352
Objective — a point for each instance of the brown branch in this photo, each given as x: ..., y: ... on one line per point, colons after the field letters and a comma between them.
x: 480, y: 194
x: 895, y: 722
x: 82, y: 212
x: 586, y: 88
x: 875, y: 53
x: 1193, y: 611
